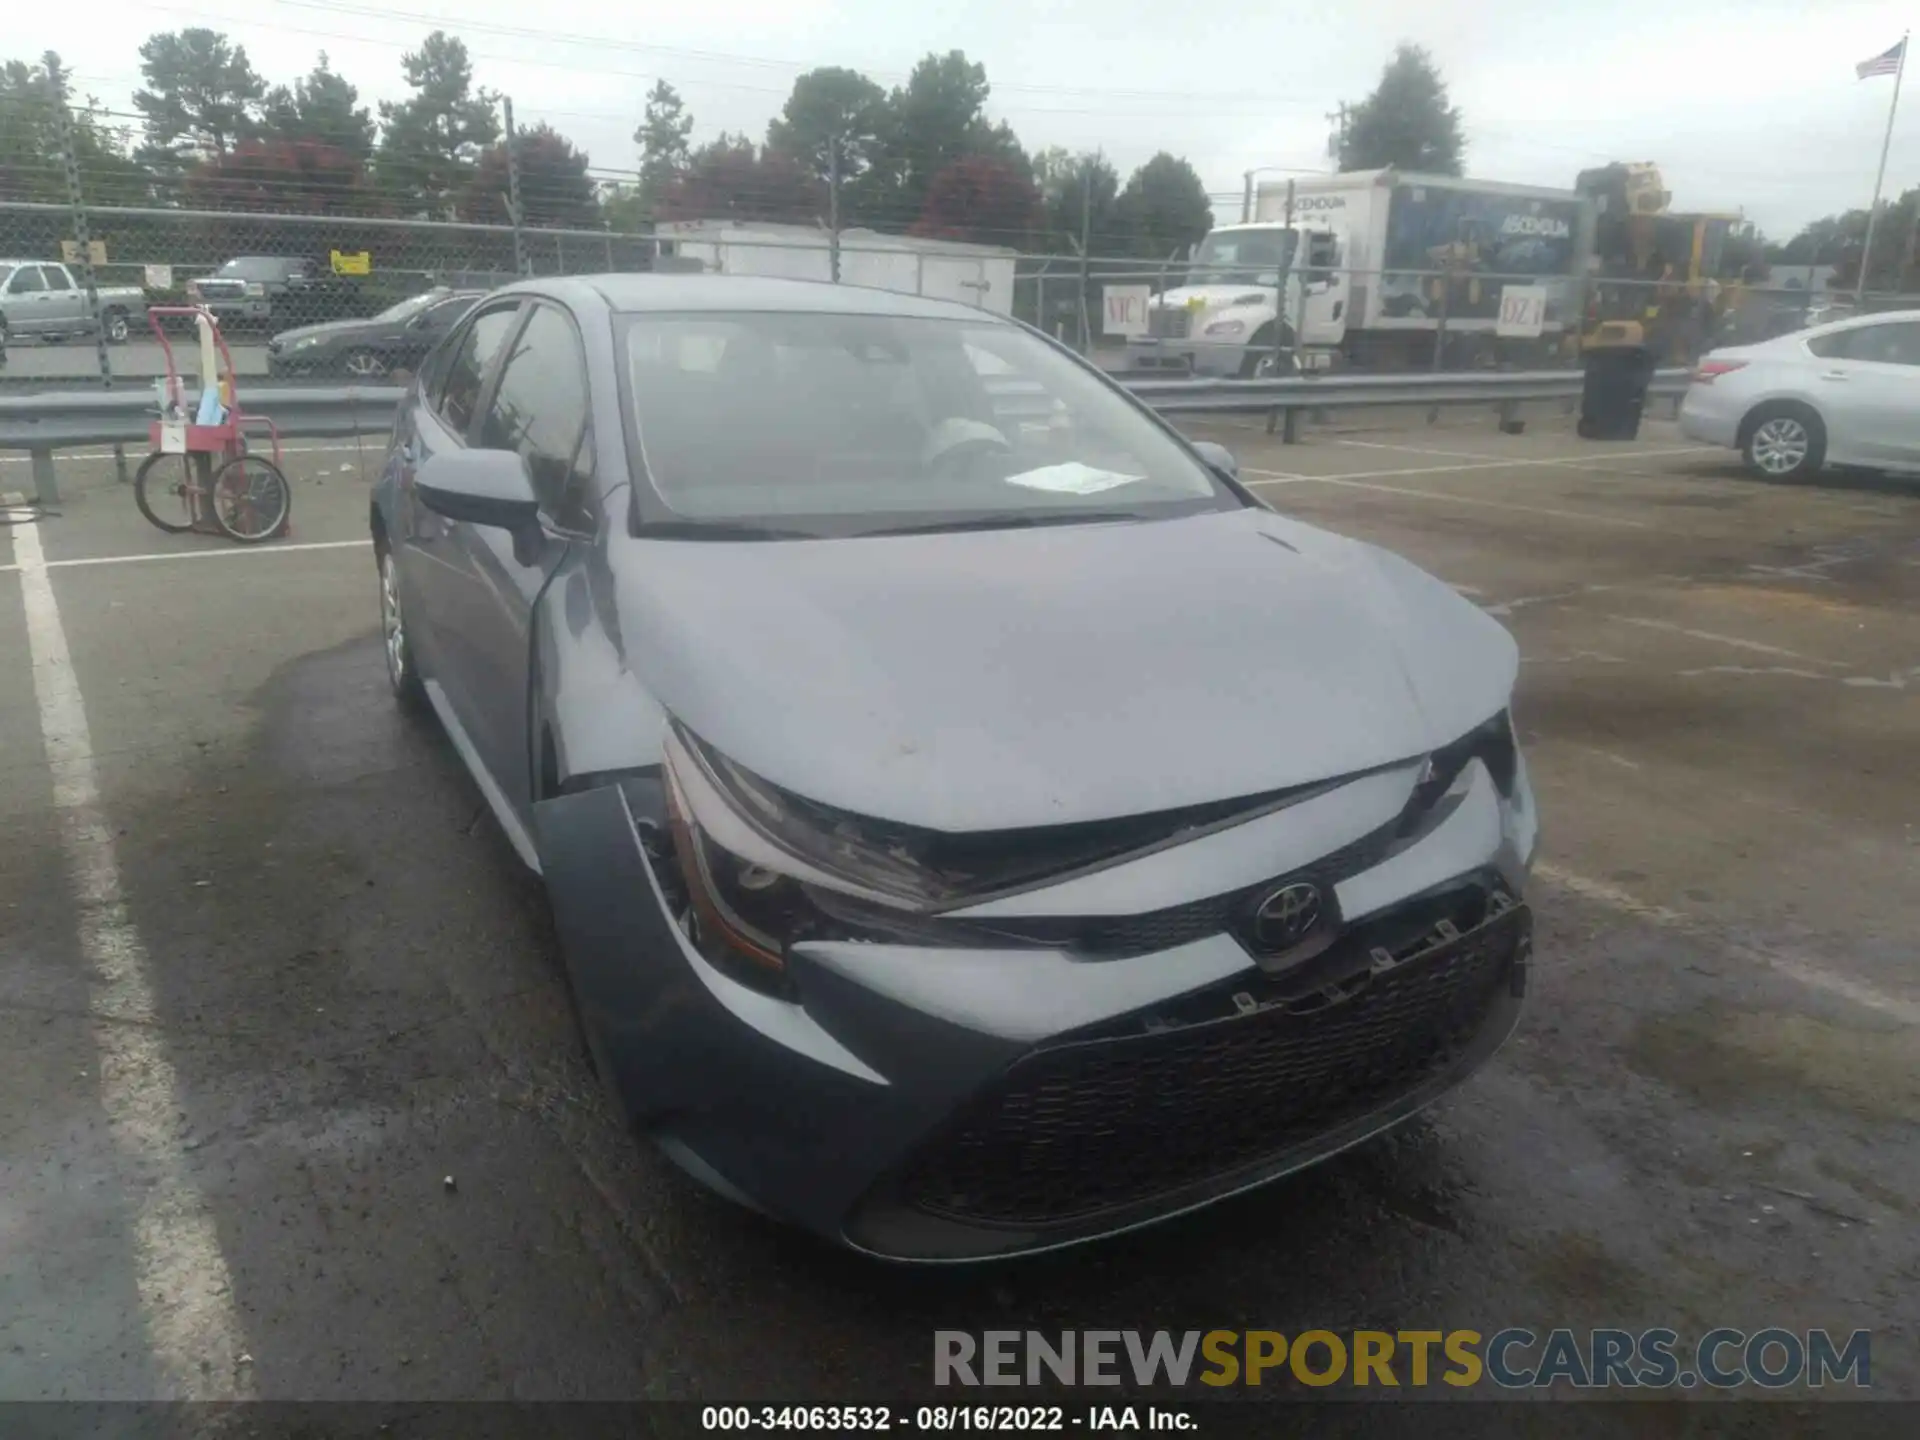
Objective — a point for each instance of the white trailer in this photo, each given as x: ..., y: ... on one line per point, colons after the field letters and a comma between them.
x: 978, y: 275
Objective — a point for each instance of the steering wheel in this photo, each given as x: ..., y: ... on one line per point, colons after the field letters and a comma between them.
x: 958, y: 448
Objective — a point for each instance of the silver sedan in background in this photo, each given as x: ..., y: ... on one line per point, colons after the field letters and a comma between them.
x: 974, y: 822
x: 1847, y: 393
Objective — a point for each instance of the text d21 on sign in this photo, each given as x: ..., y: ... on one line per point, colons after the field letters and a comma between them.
x: 1126, y: 310
x: 1523, y: 312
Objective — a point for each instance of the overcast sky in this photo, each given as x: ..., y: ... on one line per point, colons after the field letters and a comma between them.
x: 1746, y: 105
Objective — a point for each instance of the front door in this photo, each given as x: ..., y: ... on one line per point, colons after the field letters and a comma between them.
x: 537, y: 409
x: 436, y: 583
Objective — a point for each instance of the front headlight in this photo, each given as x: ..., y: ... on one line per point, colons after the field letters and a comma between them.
x: 305, y: 342
x: 1445, y: 775
x: 762, y: 870
x: 255, y: 289
x: 1227, y: 327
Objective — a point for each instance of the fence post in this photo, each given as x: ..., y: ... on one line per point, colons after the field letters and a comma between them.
x: 513, y: 191
x: 76, y: 202
x: 833, y: 207
x: 607, y: 225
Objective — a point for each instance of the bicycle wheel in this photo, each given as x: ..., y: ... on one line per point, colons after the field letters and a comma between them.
x: 251, y: 498
x: 163, y: 489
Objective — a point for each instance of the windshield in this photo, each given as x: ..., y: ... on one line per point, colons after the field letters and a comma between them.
x: 1239, y: 256
x: 411, y: 306
x: 841, y: 424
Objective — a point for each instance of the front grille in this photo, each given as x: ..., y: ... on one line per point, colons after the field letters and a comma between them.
x: 1116, y: 936
x: 1084, y: 1128
x: 1169, y: 322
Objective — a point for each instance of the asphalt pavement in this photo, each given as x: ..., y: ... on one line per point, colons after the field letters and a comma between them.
x: 293, y: 1105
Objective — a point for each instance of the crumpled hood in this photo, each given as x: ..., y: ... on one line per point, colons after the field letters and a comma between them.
x: 329, y: 330
x: 1002, y: 679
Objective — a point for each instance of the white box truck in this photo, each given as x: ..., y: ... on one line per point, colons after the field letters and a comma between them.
x: 1371, y: 261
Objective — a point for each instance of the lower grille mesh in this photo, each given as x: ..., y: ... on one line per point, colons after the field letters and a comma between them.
x: 1083, y: 1128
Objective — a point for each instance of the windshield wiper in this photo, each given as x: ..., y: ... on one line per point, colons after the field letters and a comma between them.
x: 1009, y: 521
x: 715, y: 530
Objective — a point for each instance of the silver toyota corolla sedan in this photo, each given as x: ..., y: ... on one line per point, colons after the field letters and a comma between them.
x: 973, y: 821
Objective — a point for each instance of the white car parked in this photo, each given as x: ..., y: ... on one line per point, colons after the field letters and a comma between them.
x: 1846, y: 393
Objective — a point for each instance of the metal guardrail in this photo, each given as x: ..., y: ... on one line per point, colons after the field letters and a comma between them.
x: 41, y: 424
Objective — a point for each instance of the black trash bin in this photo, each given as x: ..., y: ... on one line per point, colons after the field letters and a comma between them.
x: 1614, y: 391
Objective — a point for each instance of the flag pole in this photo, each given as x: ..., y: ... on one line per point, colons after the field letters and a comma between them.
x: 1873, y: 212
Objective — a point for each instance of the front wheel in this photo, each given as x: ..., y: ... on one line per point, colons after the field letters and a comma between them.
x: 116, y: 327
x: 1784, y: 442
x: 402, y: 673
x: 1266, y: 361
x: 164, y: 491
x: 251, y: 499
x: 365, y: 365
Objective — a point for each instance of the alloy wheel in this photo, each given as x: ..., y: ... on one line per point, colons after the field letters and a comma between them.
x: 1780, y: 445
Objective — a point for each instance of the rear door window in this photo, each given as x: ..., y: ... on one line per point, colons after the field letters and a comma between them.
x: 464, y: 367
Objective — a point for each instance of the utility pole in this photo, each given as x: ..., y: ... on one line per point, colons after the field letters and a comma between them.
x: 513, y: 192
x: 1337, y: 137
x: 833, y: 207
x: 1246, y: 198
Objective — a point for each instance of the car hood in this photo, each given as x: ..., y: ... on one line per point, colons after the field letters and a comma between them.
x: 1004, y: 679
x: 331, y: 330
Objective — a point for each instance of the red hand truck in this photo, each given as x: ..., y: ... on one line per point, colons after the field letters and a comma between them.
x: 204, y: 478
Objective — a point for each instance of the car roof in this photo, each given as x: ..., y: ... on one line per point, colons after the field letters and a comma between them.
x: 649, y: 292
x: 1854, y: 322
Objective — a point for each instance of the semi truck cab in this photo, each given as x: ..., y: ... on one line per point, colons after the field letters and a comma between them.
x: 1247, y: 288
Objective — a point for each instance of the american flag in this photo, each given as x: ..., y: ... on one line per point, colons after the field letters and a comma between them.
x: 1886, y: 64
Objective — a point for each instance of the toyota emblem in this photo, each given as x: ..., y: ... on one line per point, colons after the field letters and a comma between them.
x: 1287, y: 916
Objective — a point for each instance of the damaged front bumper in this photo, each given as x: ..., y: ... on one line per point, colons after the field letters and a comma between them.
x: 928, y: 1103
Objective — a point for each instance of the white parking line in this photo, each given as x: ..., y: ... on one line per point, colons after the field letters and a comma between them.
x: 200, y: 554
x: 1349, y: 482
x: 1814, y: 977
x: 186, y: 1293
x: 376, y: 443
x: 1735, y: 641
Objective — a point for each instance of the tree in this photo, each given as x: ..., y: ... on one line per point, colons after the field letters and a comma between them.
x: 1407, y: 121
x: 982, y: 199
x: 1839, y: 240
x: 1164, y: 207
x: 662, y: 138
x: 835, y: 121
x: 30, y: 166
x: 727, y: 179
x: 934, y: 120
x: 201, y: 98
x: 1077, y: 192
x: 321, y: 107
x: 307, y: 177
x: 433, y: 140
x: 554, y: 187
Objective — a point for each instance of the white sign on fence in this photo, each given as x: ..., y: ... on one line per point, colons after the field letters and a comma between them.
x: 1523, y: 312
x: 159, y: 277
x: 1126, y: 310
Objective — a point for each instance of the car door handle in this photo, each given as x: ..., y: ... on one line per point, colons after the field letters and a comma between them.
x: 1833, y: 375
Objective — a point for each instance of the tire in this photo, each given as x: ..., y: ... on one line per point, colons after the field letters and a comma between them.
x: 365, y: 364
x: 251, y: 499
x: 403, y: 672
x: 160, y: 492
x: 1784, y: 441
x: 114, y: 323
x: 1258, y: 363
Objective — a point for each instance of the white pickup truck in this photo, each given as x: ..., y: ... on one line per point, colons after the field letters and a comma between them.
x: 43, y: 298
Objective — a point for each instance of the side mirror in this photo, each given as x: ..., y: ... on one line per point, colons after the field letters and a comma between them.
x: 481, y: 487
x: 1218, y: 457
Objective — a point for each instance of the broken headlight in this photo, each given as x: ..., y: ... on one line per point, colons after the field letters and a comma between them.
x: 1445, y: 774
